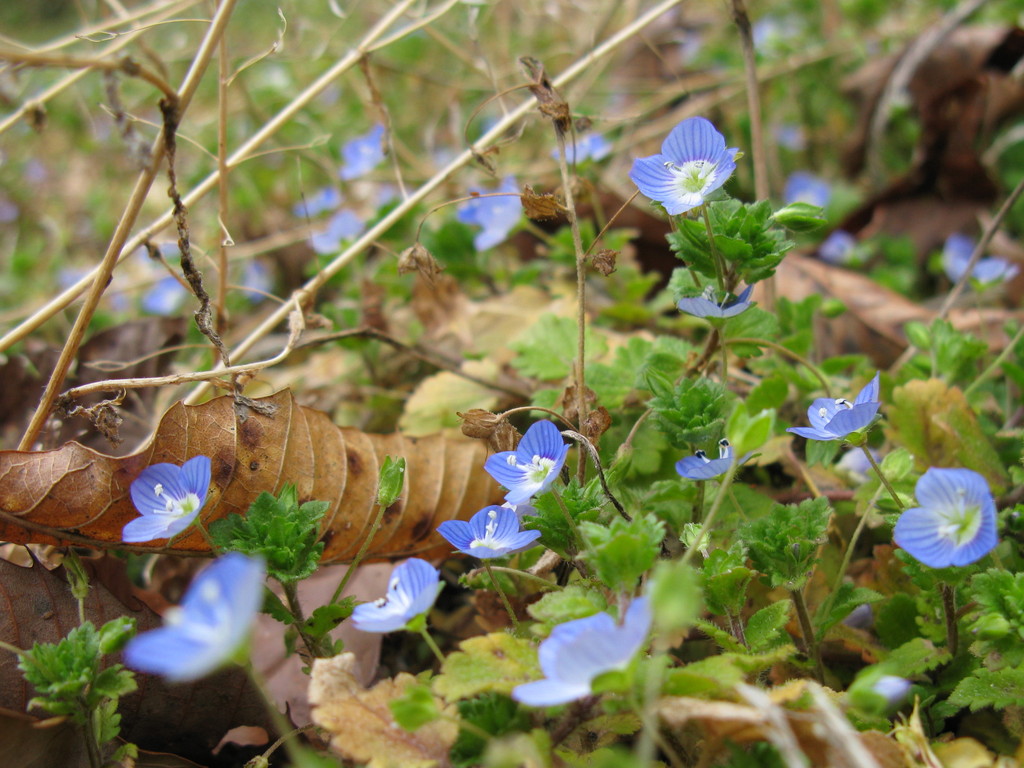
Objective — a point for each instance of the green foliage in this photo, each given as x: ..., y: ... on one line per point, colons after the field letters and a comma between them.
x: 749, y: 431
x: 572, y: 602
x: 279, y: 530
x: 800, y: 217
x: 766, y: 629
x: 621, y: 552
x: 492, y: 713
x: 951, y: 354
x: 326, y: 617
x: 548, y: 348
x: 783, y: 545
x: 495, y: 663
x: 690, y: 412
x: 675, y: 595
x: 69, y: 680
x: 583, y: 503
x: 842, y: 603
x: 391, y: 481
x: 760, y: 754
x: 743, y: 235
x: 987, y: 688
x: 415, y: 707
x: 915, y: 657
x: 725, y: 578
x: 999, y: 624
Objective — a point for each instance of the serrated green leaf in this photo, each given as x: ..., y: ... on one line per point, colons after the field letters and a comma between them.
x: 496, y: 663
x: 846, y: 599
x: 725, y: 578
x: 783, y: 545
x: 766, y: 629
x: 675, y: 595
x: 548, y: 348
x: 693, y: 412
x: 327, y: 617
x: 622, y: 551
x: 770, y: 392
x: 572, y: 602
x: 915, y: 658
x: 986, y: 688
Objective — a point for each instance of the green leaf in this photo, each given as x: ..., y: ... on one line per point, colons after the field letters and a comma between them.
x: 492, y: 713
x: 573, y: 602
x: 783, y: 545
x: 725, y: 578
x: 936, y: 424
x: 622, y: 552
x: 690, y: 412
x: 822, y: 452
x: 275, y: 608
x: 497, y: 663
x: 584, y: 503
x: 675, y: 595
x: 415, y: 707
x: 766, y: 629
x: 800, y: 217
x: 847, y: 598
x: 755, y: 323
x: 391, y: 481
x: 278, y: 530
x: 327, y: 617
x: 748, y: 432
x: 986, y: 688
x: 999, y: 624
x: 770, y: 392
x: 547, y: 349
x: 915, y: 658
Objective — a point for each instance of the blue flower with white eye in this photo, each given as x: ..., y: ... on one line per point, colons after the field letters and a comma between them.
x: 344, y: 225
x: 168, y: 497
x: 362, y: 154
x: 497, y: 215
x: 210, y: 626
x: 592, y: 146
x: 532, y: 467
x: 956, y: 255
x: 578, y: 651
x: 412, y: 589
x: 491, y: 532
x: 700, y: 467
x: 803, y: 187
x: 835, y: 419
x: 325, y: 199
x: 838, y: 247
x: 708, y: 305
x: 693, y: 163
x: 956, y: 522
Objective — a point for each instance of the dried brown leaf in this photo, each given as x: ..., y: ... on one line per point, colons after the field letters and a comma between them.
x: 360, y: 721
x: 74, y: 494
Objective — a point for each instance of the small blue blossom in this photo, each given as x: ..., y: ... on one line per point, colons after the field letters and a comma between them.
x: 412, y: 589
x: 497, y: 215
x: 578, y: 651
x: 168, y: 497
x: 803, y: 187
x: 956, y: 522
x: 693, y: 163
x: 838, y: 247
x: 835, y: 419
x: 791, y: 136
x: 855, y: 465
x: 344, y: 225
x: 256, y: 281
x: 891, y: 688
x: 771, y: 34
x: 325, y: 199
x: 592, y: 146
x: 209, y: 627
x: 491, y: 532
x: 700, y: 467
x: 166, y: 297
x: 532, y: 467
x: 362, y: 154
x: 956, y: 254
x: 708, y: 305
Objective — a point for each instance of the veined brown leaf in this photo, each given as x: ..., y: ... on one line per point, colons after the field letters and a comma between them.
x: 76, y: 495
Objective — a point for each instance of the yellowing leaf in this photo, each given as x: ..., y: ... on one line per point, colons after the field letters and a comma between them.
x: 361, y: 725
x: 495, y: 662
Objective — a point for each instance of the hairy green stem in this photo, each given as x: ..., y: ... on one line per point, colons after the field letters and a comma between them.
x: 432, y: 645
x: 948, y: 593
x: 1000, y: 359
x: 882, y: 477
x: 848, y: 554
x: 291, y: 596
x: 716, y: 505
x: 807, y: 629
x: 504, y: 599
x: 719, y: 261
x: 359, y: 555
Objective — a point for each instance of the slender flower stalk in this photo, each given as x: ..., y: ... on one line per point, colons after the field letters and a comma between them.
x: 882, y: 477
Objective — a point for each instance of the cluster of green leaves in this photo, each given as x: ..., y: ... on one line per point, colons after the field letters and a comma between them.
x: 71, y: 680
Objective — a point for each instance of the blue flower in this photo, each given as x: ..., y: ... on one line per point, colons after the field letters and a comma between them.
x: 592, y: 146
x: 209, y: 627
x: 700, y: 467
x: 891, y: 688
x: 956, y: 522
x: 578, y: 651
x: 708, y: 305
x: 169, y: 497
x: 838, y: 247
x: 532, y: 467
x: 362, y: 154
x: 325, y: 199
x: 412, y: 590
x: 344, y: 225
x: 855, y: 465
x: 491, y: 532
x: 956, y: 254
x: 791, y: 136
x: 256, y: 281
x: 835, y: 419
x: 166, y: 297
x: 693, y: 163
x: 497, y: 215
x: 803, y: 187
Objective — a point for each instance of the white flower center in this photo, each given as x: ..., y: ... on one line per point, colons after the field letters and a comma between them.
x: 539, y: 468
x: 694, y: 176
x: 175, y: 507
x: 489, y: 539
x: 961, y: 526
x: 724, y: 449
x: 842, y: 402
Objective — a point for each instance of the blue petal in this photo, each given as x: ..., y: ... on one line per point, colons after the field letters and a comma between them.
x: 812, y: 434
x: 548, y: 693
x: 419, y: 580
x: 657, y: 182
x: 195, y: 476
x: 693, y: 139
x: 917, y: 531
x: 362, y: 154
x: 457, y: 532
x: 870, y: 392
x: 695, y: 468
x: 147, y: 528
x: 370, y: 617
x: 171, y: 654
x: 698, y: 306
x: 821, y: 412
x: 940, y: 489
x: 142, y: 488
x: 542, y: 439
x: 849, y: 420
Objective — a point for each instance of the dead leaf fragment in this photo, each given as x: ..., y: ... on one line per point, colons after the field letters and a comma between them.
x: 540, y: 206
x: 361, y: 725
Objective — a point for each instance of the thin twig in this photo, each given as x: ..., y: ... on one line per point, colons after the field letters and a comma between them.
x: 124, y: 66
x: 135, y: 202
x: 592, y: 451
x: 739, y: 15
